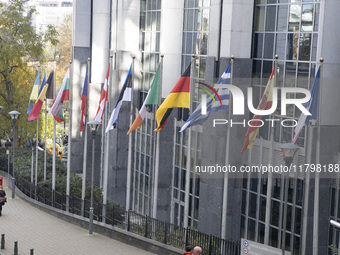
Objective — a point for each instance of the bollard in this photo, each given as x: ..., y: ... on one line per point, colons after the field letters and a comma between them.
x: 32, y: 252
x: 15, y: 247
x: 2, y: 241
x: 13, y: 187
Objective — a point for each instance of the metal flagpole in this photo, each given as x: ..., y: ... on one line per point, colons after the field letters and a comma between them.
x: 156, y: 172
x: 36, y: 150
x: 83, y: 190
x: 54, y: 135
x: 45, y: 139
x: 188, y: 165
x: 270, y: 175
x: 32, y: 166
x: 69, y: 143
x: 128, y: 178
x: 317, y: 175
x: 226, y: 180
x: 102, y: 146
x: 107, y: 146
x: 307, y: 185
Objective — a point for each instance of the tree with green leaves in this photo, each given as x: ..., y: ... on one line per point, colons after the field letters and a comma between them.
x: 20, y: 46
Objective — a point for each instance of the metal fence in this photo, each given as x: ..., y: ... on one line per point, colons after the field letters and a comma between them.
x: 142, y: 225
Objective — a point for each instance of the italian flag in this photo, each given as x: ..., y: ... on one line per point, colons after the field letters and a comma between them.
x: 151, y: 99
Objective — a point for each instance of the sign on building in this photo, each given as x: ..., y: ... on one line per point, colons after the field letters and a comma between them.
x: 254, y: 248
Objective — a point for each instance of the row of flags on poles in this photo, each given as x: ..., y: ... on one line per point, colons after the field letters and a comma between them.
x: 179, y: 97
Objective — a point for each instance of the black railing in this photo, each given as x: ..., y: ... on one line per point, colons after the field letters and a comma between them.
x: 179, y: 237
x: 142, y: 225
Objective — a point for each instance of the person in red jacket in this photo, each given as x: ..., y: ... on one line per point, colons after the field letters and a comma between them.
x: 187, y: 251
x: 2, y: 196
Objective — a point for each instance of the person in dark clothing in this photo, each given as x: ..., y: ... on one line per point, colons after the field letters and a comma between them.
x: 187, y: 251
x: 2, y: 194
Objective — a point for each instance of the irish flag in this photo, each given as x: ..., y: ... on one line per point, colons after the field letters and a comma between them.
x: 265, y: 104
x: 40, y: 101
x: 151, y: 98
x: 178, y: 98
x: 56, y: 109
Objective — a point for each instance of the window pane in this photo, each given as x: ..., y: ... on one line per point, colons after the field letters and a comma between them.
x: 176, y: 177
x: 275, y: 213
x: 270, y: 18
x: 257, y: 70
x: 305, y: 46
x: 292, y: 46
x: 252, y: 205
x: 253, y: 184
x: 197, y: 21
x: 282, y: 18
x: 307, y: 18
x: 273, y: 237
x: 261, y: 233
x: 205, y: 25
x: 251, y: 229
x: 297, y: 224
x: 244, y: 200
x: 262, y: 215
x: 280, y: 45
x: 316, y: 17
x: 259, y: 22
x: 294, y: 17
x: 303, y: 74
x: 315, y: 44
x: 258, y: 44
x: 290, y: 74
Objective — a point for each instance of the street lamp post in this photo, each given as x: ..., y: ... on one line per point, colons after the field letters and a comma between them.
x: 93, y: 124
x: 336, y: 225
x: 0, y: 111
x: 14, y: 116
x: 288, y: 150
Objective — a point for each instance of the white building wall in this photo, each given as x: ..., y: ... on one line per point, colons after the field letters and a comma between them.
x: 100, y: 52
x: 171, y: 43
x: 237, y: 26
x: 81, y: 23
x: 328, y: 46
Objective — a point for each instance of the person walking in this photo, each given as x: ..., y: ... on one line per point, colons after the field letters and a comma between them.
x: 197, y: 250
x: 187, y: 251
x: 2, y: 199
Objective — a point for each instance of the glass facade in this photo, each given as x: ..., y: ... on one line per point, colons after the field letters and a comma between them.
x: 195, y: 40
x: 254, y: 202
x: 334, y: 233
x: 289, y: 29
x: 150, y: 19
x: 179, y: 176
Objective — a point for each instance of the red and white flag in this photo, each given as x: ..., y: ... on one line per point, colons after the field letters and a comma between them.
x: 84, y: 102
x: 103, y: 98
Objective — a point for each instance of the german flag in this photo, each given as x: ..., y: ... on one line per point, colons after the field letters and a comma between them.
x: 178, y: 98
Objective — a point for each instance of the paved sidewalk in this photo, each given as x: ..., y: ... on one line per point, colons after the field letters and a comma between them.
x: 48, y: 235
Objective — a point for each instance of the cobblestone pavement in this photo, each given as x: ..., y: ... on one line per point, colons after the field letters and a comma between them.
x: 48, y: 235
